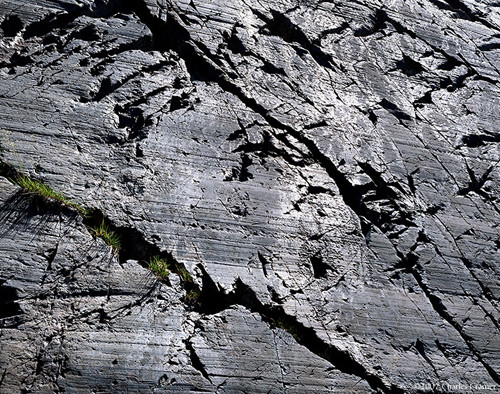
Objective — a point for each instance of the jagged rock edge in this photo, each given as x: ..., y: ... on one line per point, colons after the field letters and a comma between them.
x: 212, y: 300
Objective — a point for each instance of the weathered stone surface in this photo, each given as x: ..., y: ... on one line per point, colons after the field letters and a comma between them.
x: 333, y: 164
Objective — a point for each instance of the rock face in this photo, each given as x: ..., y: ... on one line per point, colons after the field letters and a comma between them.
x: 327, y: 171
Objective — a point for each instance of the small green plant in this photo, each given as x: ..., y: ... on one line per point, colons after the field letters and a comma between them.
x: 44, y: 191
x: 192, y: 296
x: 184, y: 273
x: 109, y: 236
x: 159, y: 267
x: 286, y: 324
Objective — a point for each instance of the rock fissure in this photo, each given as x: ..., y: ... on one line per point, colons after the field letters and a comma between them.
x: 438, y: 306
x: 213, y: 301
x: 326, y: 171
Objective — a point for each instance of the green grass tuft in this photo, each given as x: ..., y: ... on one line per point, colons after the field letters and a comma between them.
x: 159, y: 267
x: 192, y: 296
x: 109, y: 236
x: 286, y: 324
x: 184, y: 273
x: 44, y: 191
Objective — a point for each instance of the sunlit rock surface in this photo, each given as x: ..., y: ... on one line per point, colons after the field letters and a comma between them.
x: 327, y: 171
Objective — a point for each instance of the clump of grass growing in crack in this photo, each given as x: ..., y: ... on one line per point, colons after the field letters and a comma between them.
x: 193, y: 292
x: 159, y: 267
x: 109, y: 236
x: 163, y: 266
x: 286, y: 324
x: 44, y: 191
x: 183, y: 273
x: 192, y: 296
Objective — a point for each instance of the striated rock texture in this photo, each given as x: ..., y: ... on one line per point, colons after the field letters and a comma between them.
x: 327, y: 171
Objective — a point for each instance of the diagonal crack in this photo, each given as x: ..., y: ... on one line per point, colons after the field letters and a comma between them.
x: 213, y: 300
x: 438, y: 306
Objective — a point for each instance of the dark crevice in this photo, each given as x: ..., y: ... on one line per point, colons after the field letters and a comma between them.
x: 489, y: 47
x: 327, y: 32
x: 18, y: 60
x: 97, y: 9
x: 172, y: 35
x: 87, y: 33
x: 213, y: 300
x: 425, y: 99
x: 476, y: 184
x: 133, y: 119
x: 264, y: 263
x: 50, y: 255
x: 49, y: 23
x: 459, y: 82
x: 144, y: 44
x: 281, y: 26
x: 11, y: 25
x: 9, y: 307
x: 134, y: 246
x: 131, y: 116
x: 3, y: 376
x: 234, y: 43
x: 268, y: 147
x: 462, y: 11
x: 195, y: 361
x: 384, y: 190
x: 406, y: 263
x: 395, y: 110
x: 378, y: 23
x: 450, y: 63
x: 441, y: 309
x: 320, y: 268
x: 270, y: 68
x: 242, y: 174
x: 409, y: 67
x: 310, y: 126
x: 420, y: 347
x: 477, y: 140
x: 107, y: 87
x: 183, y: 101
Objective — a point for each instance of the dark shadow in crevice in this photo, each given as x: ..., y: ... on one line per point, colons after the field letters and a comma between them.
x: 11, y: 25
x: 213, y: 300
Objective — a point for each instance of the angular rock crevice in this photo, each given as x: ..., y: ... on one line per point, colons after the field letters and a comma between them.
x: 281, y: 26
x: 361, y: 136
x: 195, y: 360
x: 461, y: 10
x: 133, y: 244
x: 212, y: 301
x: 439, y: 307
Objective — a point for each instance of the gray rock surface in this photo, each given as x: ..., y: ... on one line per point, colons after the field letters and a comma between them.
x: 326, y: 168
